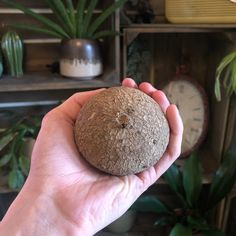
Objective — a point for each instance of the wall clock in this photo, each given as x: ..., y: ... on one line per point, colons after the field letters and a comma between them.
x: 192, y: 102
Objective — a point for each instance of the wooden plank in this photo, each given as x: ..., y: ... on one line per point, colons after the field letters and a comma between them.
x: 159, y: 10
x: 179, y: 28
x: 36, y: 82
x: 43, y: 4
x: 28, y: 3
x: 38, y: 56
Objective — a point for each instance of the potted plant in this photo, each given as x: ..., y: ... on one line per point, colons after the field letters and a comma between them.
x: 79, y: 31
x: 15, y: 150
x: 195, y: 203
x: 16, y: 145
x: 227, y: 68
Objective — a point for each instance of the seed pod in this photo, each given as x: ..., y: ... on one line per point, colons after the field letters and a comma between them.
x: 121, y: 131
x: 12, y: 48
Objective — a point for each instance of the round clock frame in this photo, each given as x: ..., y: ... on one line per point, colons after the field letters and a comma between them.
x: 204, y: 98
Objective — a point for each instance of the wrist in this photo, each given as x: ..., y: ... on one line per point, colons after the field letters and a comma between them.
x: 37, y: 215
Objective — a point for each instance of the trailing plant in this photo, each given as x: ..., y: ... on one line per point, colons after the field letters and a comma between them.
x: 227, y: 71
x: 13, y: 163
x: 71, y: 21
x: 12, y: 48
x: 195, y: 202
x: 138, y: 61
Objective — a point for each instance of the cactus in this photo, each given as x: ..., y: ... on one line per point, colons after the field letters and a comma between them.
x: 12, y: 48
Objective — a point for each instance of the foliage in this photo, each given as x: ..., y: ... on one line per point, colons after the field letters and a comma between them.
x: 195, y: 203
x: 228, y: 66
x: 139, y: 60
x: 70, y: 21
x: 13, y: 162
x: 1, y: 64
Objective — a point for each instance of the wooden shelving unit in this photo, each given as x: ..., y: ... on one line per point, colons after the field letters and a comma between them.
x: 41, y: 51
x: 43, y: 82
x: 165, y: 42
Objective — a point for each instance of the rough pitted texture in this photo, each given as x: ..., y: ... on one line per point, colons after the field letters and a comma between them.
x: 121, y: 131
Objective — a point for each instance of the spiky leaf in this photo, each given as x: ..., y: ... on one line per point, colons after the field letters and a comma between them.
x: 174, y: 178
x: 225, y: 62
x: 192, y: 179
x: 181, y: 230
x: 104, y: 15
x: 80, y: 17
x: 46, y: 21
x: 224, y: 178
x: 151, y: 204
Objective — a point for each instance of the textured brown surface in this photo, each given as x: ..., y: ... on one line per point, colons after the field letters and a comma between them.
x: 121, y: 131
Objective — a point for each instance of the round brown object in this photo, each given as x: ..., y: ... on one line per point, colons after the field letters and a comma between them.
x: 121, y: 131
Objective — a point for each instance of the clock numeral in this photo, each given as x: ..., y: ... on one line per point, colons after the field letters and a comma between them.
x: 197, y: 109
x: 197, y: 119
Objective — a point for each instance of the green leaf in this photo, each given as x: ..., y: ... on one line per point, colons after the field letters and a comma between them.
x: 47, y: 22
x: 181, y: 230
x: 225, y: 62
x: 232, y: 86
x: 5, y: 140
x: 15, y: 179
x: 105, y: 33
x: 79, y: 17
x: 224, y: 179
x: 24, y: 164
x: 150, y: 204
x: 217, y: 88
x: 71, y: 14
x: 62, y: 16
x: 192, y: 179
x: 5, y: 159
x: 174, y: 179
x: 104, y: 15
x: 213, y: 233
x: 165, y: 220
x: 198, y: 223
x: 89, y: 14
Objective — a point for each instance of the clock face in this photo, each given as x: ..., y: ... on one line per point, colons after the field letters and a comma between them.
x: 192, y: 104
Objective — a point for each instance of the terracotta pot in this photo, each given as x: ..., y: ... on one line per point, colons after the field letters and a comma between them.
x: 80, y: 58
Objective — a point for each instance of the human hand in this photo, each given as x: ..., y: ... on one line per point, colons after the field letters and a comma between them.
x: 67, y: 196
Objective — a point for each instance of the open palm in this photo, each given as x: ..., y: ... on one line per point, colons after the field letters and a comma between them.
x: 86, y: 197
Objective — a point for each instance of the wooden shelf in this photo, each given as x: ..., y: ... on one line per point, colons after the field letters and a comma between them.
x: 38, y: 82
x: 179, y: 28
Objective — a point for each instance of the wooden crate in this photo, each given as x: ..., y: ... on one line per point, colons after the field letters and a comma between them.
x: 41, y: 51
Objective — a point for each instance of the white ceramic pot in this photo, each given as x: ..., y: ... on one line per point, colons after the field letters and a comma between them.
x: 80, y: 58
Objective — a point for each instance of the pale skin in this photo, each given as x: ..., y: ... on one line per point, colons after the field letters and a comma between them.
x: 63, y: 194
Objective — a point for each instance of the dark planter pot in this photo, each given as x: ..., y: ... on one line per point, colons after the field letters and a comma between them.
x: 80, y: 58
x: 6, y: 200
